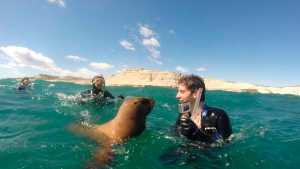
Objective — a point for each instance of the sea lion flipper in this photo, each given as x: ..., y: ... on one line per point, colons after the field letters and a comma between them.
x: 103, y: 155
x: 78, y: 129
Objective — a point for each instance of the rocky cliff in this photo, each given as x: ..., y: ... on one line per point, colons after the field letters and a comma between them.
x: 145, y: 77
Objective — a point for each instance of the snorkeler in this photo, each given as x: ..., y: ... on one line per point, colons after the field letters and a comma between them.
x: 24, y: 83
x: 98, y: 92
x: 197, y: 121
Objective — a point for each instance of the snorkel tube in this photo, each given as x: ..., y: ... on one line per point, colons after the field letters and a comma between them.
x: 197, y: 103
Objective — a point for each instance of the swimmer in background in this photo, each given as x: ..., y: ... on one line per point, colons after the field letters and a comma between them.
x: 98, y: 91
x: 24, y: 83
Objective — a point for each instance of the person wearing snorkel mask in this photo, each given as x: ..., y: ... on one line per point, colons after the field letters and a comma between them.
x: 24, y: 83
x: 98, y: 90
x: 197, y: 121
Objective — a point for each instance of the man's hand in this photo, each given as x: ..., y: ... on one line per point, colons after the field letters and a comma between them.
x: 187, y: 126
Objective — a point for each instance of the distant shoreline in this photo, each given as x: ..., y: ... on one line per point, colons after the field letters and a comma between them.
x: 145, y: 77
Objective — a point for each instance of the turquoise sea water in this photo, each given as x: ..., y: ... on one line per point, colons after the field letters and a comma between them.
x: 33, y: 132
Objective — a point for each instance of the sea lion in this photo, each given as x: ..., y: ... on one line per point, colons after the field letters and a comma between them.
x: 129, y: 122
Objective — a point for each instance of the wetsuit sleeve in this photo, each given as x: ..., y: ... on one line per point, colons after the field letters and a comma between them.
x: 224, y: 126
x: 107, y: 94
x: 21, y: 87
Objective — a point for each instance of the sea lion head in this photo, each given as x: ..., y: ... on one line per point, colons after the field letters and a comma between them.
x: 136, y: 107
x: 131, y: 117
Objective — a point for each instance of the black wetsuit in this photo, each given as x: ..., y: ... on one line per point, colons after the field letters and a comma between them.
x: 21, y: 87
x: 215, y: 125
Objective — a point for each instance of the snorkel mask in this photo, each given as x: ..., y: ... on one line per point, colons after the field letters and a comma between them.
x: 96, y: 79
x: 186, y: 106
x: 197, y: 101
x: 25, y: 81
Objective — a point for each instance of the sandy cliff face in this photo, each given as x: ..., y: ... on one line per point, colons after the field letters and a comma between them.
x: 61, y: 79
x: 247, y: 87
x: 144, y: 77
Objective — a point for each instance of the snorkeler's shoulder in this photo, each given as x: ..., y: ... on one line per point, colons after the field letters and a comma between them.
x: 21, y: 87
x: 215, y: 111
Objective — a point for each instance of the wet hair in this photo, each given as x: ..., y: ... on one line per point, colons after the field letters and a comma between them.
x: 193, y: 83
x: 98, y: 77
x: 25, y: 78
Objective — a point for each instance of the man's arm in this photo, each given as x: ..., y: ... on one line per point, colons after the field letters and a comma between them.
x: 107, y: 94
x: 223, y: 125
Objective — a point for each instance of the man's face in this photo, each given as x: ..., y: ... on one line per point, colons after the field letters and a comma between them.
x: 184, y: 95
x: 99, y: 83
x: 26, y: 82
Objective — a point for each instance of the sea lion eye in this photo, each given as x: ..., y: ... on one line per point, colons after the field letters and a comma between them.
x: 144, y: 101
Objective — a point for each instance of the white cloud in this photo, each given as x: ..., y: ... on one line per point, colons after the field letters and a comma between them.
x: 201, y: 69
x: 76, y: 58
x: 151, y: 42
x: 83, y: 72
x: 154, y: 53
x: 157, y: 61
x: 19, y: 59
x: 127, y: 45
x: 101, y: 65
x: 60, y: 3
x: 7, y: 66
x: 24, y: 57
x: 171, y: 31
x: 181, y: 69
x: 145, y: 31
x: 10, y: 71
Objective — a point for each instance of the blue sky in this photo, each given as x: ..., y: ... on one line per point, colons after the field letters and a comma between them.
x: 253, y: 41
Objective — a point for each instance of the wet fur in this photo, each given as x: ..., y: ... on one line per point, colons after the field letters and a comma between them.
x: 129, y: 122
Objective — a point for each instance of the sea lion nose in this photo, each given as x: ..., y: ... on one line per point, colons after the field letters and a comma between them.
x: 152, y: 102
x: 148, y: 101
